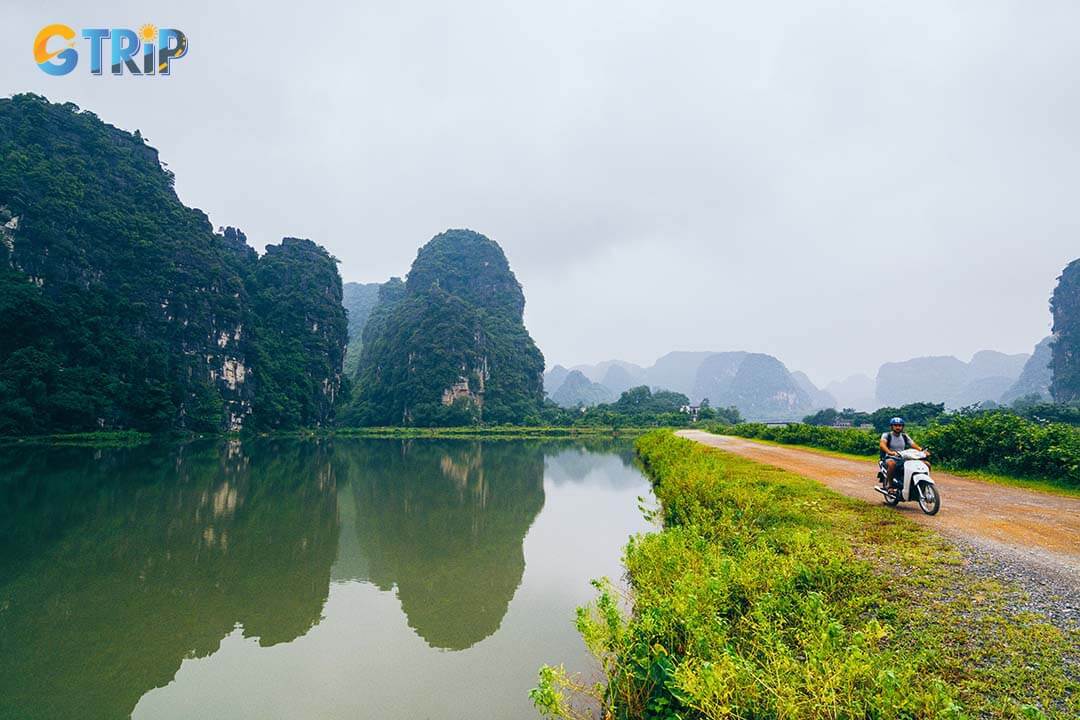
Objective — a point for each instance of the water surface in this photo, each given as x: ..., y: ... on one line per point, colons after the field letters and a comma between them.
x: 301, y: 579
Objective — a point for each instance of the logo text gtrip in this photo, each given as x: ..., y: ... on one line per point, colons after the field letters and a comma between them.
x: 147, y: 51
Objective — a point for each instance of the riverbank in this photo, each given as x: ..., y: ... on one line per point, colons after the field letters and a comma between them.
x: 105, y: 438
x: 499, y: 432
x: 126, y: 438
x: 767, y: 594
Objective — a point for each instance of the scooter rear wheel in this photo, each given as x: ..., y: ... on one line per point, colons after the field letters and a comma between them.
x: 929, y: 498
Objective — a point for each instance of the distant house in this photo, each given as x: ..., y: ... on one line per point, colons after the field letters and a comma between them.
x: 692, y: 410
x: 841, y: 423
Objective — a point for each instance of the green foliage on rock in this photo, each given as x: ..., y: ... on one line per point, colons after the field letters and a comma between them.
x: 359, y: 300
x: 119, y: 306
x: 1065, y: 306
x: 449, y: 347
x: 299, y: 337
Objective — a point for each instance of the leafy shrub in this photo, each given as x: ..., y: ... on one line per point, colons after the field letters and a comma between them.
x: 1009, y: 444
x: 1000, y: 442
x: 1032, y: 407
x: 848, y: 440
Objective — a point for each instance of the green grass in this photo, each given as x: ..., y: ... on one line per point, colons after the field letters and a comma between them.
x: 825, y: 439
x: 106, y: 438
x: 766, y: 595
x: 1047, y: 485
x: 122, y: 438
x: 1051, y: 486
x: 495, y: 432
x: 1054, y: 487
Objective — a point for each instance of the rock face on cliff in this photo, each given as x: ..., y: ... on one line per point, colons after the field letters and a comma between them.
x: 122, y: 308
x: 1065, y: 305
x: 449, y: 346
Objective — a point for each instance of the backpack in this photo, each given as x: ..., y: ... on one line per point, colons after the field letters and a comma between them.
x: 907, y: 444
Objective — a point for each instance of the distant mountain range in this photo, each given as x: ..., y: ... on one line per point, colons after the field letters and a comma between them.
x: 758, y: 384
x: 576, y: 390
x: 763, y: 388
x: 855, y: 391
x: 989, y: 376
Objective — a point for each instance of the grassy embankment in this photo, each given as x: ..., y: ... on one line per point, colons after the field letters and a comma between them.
x: 104, y: 438
x: 998, y: 447
x: 124, y: 438
x: 493, y: 432
x: 766, y: 595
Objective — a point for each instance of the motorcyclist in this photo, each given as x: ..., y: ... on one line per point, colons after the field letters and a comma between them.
x: 892, y: 444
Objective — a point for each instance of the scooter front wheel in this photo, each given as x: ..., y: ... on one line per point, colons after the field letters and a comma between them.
x: 929, y: 498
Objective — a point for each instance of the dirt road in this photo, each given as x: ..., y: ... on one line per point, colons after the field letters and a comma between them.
x: 1014, y: 524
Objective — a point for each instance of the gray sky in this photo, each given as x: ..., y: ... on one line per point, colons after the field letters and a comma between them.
x: 662, y: 175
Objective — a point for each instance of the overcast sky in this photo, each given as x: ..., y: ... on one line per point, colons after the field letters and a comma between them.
x: 807, y: 179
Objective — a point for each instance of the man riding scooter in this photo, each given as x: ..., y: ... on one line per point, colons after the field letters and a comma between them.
x: 892, y: 444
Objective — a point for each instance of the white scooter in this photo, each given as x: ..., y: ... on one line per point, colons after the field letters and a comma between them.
x: 916, y: 483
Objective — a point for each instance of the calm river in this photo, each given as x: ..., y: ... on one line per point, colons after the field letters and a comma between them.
x: 302, y: 579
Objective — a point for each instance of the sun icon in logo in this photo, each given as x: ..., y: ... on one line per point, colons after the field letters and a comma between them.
x: 148, y: 33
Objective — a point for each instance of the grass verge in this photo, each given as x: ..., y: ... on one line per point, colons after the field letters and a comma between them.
x: 1053, y: 487
x: 125, y: 438
x: 508, y: 432
x: 766, y: 595
x: 862, y: 444
x: 112, y: 438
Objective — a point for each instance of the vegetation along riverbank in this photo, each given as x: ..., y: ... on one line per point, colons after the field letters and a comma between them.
x: 477, y: 432
x: 768, y: 595
x: 994, y: 442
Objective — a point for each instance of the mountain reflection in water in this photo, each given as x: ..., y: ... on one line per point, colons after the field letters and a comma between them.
x: 444, y: 524
x: 117, y: 565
